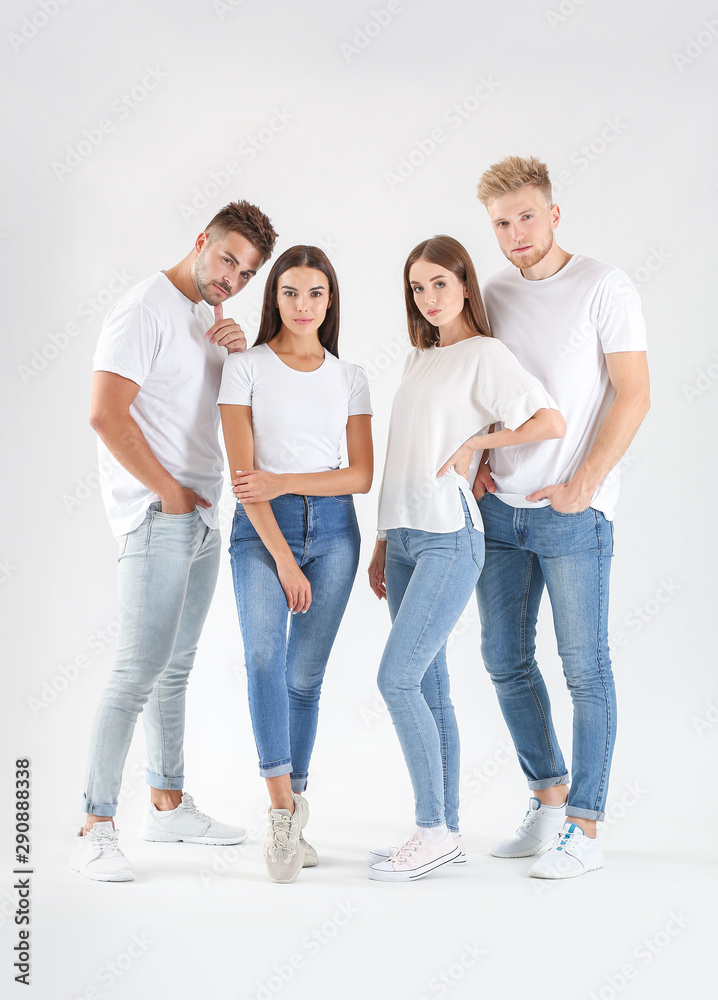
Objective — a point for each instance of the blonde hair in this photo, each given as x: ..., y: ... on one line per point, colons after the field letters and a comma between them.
x: 512, y: 173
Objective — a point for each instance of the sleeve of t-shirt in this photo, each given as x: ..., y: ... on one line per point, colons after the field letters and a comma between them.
x: 236, y: 384
x: 129, y: 342
x: 359, y: 401
x: 619, y: 318
x: 509, y: 392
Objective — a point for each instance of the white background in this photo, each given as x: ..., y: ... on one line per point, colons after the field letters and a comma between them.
x: 337, y: 109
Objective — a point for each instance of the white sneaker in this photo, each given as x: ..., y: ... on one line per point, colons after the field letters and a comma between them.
x: 379, y: 854
x: 97, y: 855
x: 189, y: 824
x: 573, y: 854
x: 538, y: 829
x: 310, y: 855
x: 283, y: 848
x: 415, y: 859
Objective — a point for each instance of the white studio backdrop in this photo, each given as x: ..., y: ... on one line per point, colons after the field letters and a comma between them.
x: 362, y: 129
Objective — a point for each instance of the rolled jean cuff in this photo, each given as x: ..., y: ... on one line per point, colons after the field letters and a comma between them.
x: 299, y: 782
x: 562, y: 779
x: 430, y: 826
x: 585, y: 813
x: 98, y: 808
x: 167, y: 784
x: 275, y: 770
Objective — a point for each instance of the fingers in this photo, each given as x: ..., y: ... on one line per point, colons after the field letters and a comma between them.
x: 201, y: 500
x: 218, y: 312
x: 444, y: 468
x: 299, y: 595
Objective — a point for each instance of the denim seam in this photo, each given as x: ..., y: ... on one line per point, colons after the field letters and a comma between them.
x: 410, y: 658
x: 527, y: 672
x: 599, y: 662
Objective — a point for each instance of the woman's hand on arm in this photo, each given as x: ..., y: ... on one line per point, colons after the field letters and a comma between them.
x: 376, y: 569
x: 239, y: 442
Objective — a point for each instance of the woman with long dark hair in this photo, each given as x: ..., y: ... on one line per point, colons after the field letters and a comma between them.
x: 287, y: 404
x: 457, y: 382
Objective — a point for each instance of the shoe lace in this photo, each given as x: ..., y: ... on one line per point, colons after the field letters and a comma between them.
x: 564, y: 837
x: 528, y: 820
x: 404, y: 852
x: 106, y: 840
x: 280, y: 832
x: 188, y: 803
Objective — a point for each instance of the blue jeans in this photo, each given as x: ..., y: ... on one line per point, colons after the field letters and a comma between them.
x: 571, y: 555
x: 285, y: 660
x: 167, y: 574
x: 429, y: 577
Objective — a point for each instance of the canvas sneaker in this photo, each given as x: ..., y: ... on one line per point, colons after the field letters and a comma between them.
x: 415, y: 859
x: 573, y: 854
x: 189, y: 824
x: 283, y: 850
x: 96, y: 854
x: 539, y: 828
x: 379, y: 854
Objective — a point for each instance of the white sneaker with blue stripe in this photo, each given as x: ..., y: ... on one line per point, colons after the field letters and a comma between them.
x: 573, y: 854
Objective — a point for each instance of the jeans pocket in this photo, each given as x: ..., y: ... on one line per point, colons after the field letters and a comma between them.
x: 561, y: 513
x: 345, y: 498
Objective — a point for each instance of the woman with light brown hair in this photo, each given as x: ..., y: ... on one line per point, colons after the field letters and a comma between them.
x: 457, y: 382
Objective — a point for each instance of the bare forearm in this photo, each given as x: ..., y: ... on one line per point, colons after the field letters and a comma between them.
x: 614, y: 436
x: 265, y: 524
x: 123, y: 437
x: 353, y: 479
x: 542, y: 426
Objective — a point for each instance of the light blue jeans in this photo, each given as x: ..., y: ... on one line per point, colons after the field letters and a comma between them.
x: 569, y: 554
x: 167, y: 574
x: 430, y: 577
x: 286, y: 655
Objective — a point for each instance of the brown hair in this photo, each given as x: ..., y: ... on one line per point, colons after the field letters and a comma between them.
x: 448, y: 253
x: 512, y: 173
x: 271, y: 322
x: 247, y: 220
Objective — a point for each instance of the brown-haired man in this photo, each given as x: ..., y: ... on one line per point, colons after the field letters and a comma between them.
x: 157, y: 372
x: 547, y: 509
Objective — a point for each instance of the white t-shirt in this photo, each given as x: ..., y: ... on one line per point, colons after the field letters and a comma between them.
x: 446, y: 395
x: 560, y: 328
x: 154, y: 336
x: 298, y: 418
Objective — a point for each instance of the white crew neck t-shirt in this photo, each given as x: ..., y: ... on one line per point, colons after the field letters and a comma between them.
x: 560, y: 328
x: 154, y: 335
x: 446, y: 395
x: 298, y: 418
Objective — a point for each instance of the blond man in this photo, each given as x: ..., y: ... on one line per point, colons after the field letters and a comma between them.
x: 576, y: 324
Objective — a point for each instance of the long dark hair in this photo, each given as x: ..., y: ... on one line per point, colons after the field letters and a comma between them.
x: 271, y: 322
x: 448, y: 253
